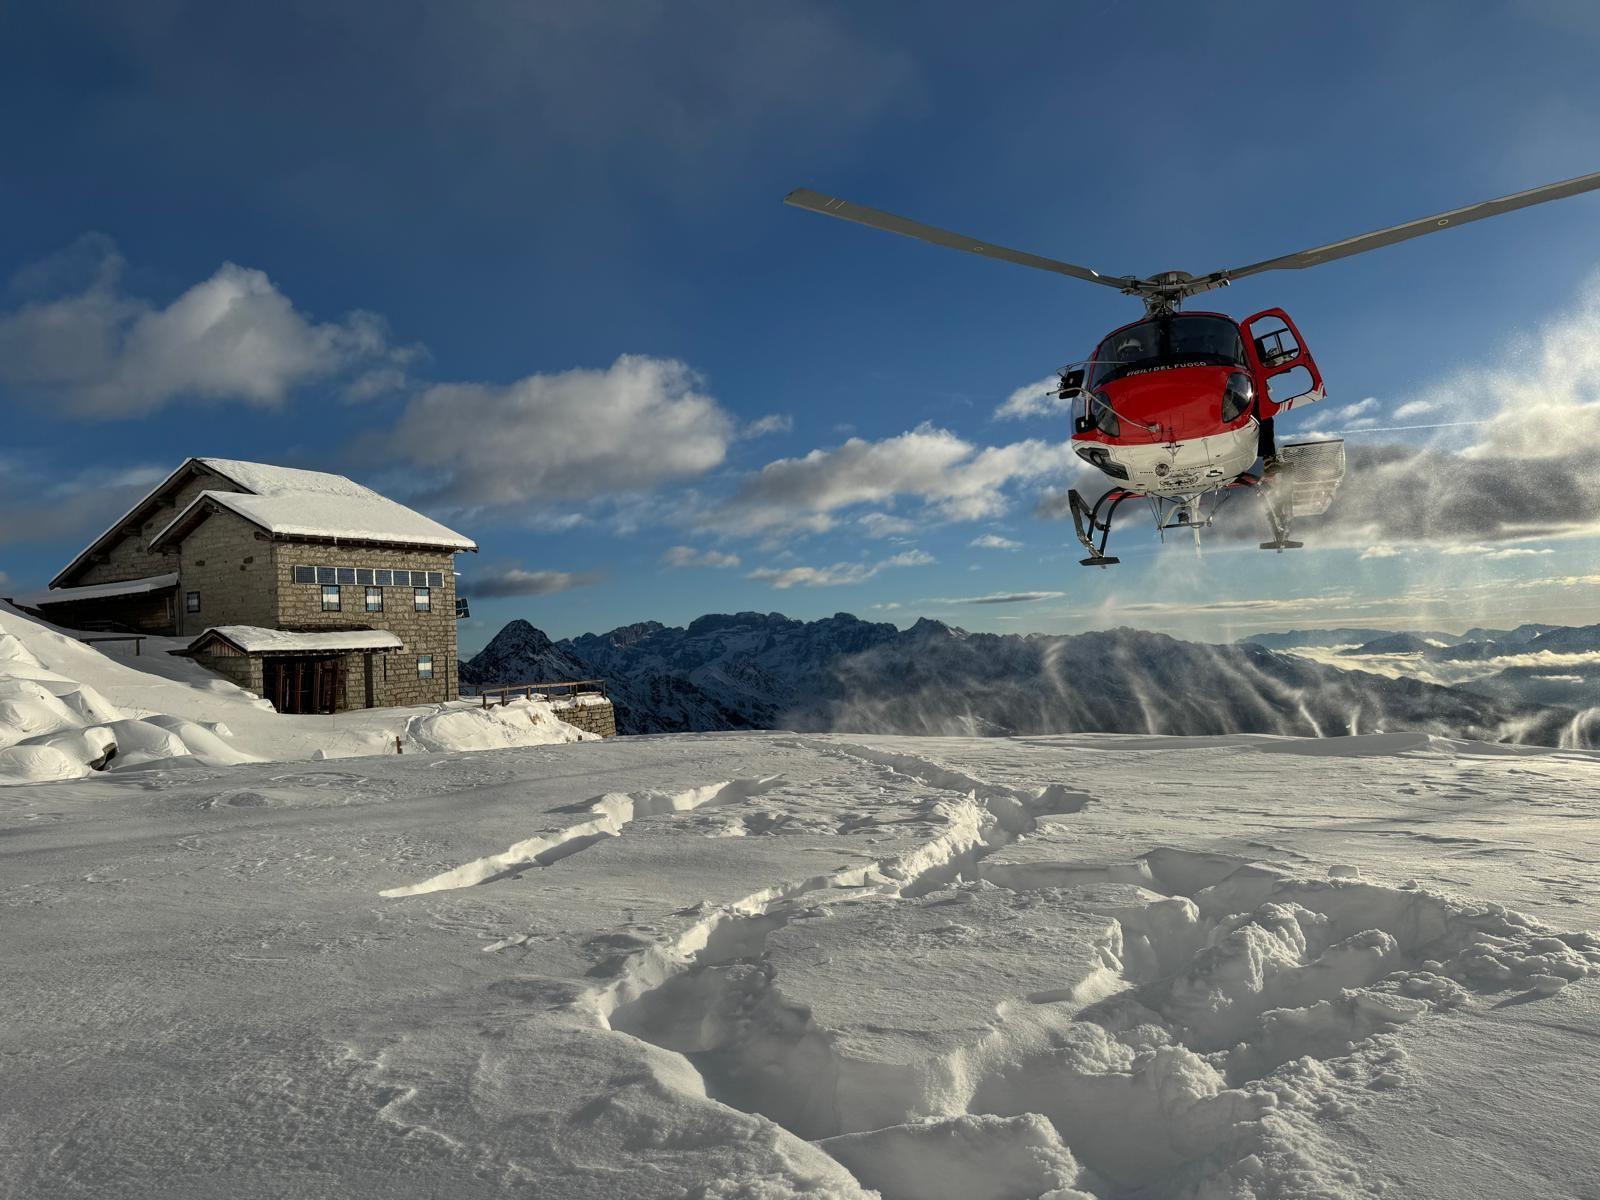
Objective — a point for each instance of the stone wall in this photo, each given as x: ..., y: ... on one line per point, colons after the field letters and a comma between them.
x: 229, y: 562
x: 236, y: 668
x: 396, y: 682
x: 131, y: 557
x: 593, y: 718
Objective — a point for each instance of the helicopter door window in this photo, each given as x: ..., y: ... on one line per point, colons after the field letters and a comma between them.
x: 1276, y: 348
x: 1290, y: 385
x: 1291, y: 373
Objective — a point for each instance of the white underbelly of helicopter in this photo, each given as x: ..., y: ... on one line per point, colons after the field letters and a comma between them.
x: 1189, y: 467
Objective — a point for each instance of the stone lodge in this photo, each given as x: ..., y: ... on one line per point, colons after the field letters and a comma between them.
x: 303, y: 587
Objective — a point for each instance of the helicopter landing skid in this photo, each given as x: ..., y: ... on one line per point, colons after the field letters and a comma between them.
x: 1279, y: 504
x: 1090, y: 523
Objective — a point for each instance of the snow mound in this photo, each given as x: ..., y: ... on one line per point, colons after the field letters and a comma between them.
x: 64, y: 704
x: 467, y: 725
x: 54, y: 728
x: 965, y: 1158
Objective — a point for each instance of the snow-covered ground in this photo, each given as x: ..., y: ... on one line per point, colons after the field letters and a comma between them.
x: 68, y: 708
x: 770, y: 965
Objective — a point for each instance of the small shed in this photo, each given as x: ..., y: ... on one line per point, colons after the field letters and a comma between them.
x: 321, y: 671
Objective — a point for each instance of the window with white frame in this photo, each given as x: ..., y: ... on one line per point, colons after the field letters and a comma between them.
x: 330, y: 597
x: 424, y: 666
x: 374, y: 599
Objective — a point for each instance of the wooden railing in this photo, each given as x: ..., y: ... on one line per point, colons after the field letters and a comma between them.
x: 505, y: 693
x: 136, y: 638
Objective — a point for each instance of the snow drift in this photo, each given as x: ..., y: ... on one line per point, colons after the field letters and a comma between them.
x: 68, y: 711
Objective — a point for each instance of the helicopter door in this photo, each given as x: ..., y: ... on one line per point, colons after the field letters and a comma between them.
x: 1281, y: 356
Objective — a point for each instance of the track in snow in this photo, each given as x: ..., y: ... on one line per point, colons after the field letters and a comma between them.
x: 1246, y: 1004
x: 1226, y: 1007
x: 615, y: 812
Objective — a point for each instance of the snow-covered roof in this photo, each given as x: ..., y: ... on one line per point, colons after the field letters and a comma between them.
x: 253, y: 639
x: 358, y: 517
x: 331, y: 506
x: 95, y: 591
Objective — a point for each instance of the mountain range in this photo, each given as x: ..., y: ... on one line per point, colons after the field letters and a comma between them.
x: 765, y: 670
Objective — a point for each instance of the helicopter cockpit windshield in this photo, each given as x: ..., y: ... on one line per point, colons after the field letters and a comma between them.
x: 1165, y: 342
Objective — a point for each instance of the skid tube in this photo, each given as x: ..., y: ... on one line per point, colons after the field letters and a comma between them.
x: 1092, y: 522
x: 1280, y: 521
x: 1088, y: 522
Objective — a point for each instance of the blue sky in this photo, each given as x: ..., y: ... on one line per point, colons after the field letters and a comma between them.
x: 525, y: 267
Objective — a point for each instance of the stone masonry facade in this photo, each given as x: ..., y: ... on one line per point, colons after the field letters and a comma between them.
x: 236, y: 668
x: 397, y: 679
x: 225, y: 564
x: 243, y: 578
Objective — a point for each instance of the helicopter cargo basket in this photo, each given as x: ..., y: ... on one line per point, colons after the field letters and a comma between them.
x: 1312, y: 472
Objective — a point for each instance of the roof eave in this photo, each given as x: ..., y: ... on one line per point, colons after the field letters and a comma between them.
x: 117, y: 525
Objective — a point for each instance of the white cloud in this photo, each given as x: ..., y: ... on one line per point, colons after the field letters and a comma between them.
x: 1516, y: 552
x: 514, y: 581
x: 42, y: 500
x: 882, y: 525
x: 1415, y: 408
x: 773, y: 423
x: 575, y: 434
x: 554, y: 522
x: 954, y: 478
x: 1359, y: 408
x: 909, y: 558
x: 1000, y: 598
x: 1264, y: 605
x: 993, y: 541
x: 233, y: 337
x: 1491, y: 552
x: 688, y: 556
x: 837, y: 575
x: 1034, y: 400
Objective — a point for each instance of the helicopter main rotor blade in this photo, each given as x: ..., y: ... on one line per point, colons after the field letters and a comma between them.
x: 832, y: 206
x: 1403, y: 233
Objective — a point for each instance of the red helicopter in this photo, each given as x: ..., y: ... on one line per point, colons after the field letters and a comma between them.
x: 1179, y: 407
